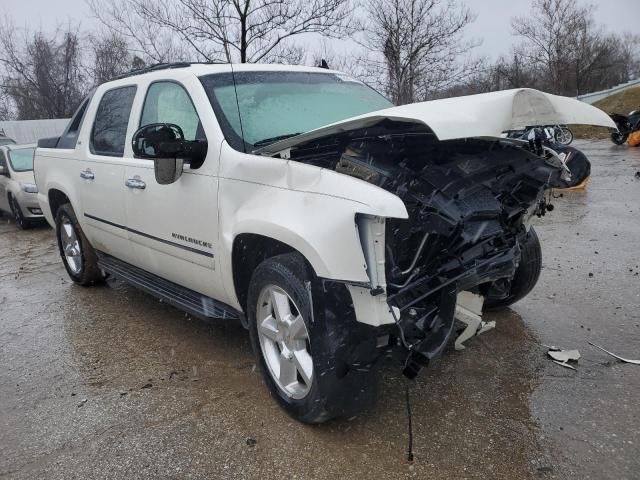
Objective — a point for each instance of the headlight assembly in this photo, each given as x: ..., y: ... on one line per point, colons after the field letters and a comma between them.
x: 29, y: 187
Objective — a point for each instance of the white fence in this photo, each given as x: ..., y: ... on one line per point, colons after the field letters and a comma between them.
x: 30, y: 131
x: 593, y: 97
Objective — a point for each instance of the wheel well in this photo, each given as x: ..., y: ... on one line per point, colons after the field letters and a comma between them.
x: 56, y: 200
x: 249, y: 251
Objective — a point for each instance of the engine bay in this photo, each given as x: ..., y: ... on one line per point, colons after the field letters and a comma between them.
x: 469, y: 203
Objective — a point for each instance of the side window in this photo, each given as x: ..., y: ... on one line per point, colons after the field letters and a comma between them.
x: 110, y: 126
x: 70, y: 136
x: 169, y: 102
x: 3, y: 159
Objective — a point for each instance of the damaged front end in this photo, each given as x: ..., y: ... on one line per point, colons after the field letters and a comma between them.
x: 469, y: 203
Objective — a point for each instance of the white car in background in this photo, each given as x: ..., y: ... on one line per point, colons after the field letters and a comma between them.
x: 18, y: 192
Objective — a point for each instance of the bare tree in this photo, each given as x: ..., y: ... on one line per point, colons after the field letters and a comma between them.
x: 42, y: 74
x: 417, y: 44
x: 563, y: 51
x: 225, y: 30
x: 343, y: 62
x: 570, y: 53
x: 6, y: 109
x: 126, y: 20
x: 630, y: 49
x: 110, y: 57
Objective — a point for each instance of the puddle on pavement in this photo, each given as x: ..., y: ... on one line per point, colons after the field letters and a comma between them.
x: 470, y: 409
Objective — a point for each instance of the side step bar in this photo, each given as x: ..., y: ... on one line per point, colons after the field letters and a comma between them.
x: 180, y: 297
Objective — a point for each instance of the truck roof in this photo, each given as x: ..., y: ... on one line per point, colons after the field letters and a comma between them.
x: 200, y: 69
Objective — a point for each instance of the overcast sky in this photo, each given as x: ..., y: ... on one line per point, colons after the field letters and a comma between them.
x: 492, y: 25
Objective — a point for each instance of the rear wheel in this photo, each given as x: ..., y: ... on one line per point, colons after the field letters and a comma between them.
x: 18, y: 217
x: 526, y: 275
x: 564, y: 136
x: 295, y: 346
x: 618, y: 138
x: 78, y: 256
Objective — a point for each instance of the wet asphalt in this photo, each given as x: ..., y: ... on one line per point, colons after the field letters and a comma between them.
x: 107, y: 382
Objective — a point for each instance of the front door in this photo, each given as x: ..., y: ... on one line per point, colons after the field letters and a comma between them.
x: 174, y: 228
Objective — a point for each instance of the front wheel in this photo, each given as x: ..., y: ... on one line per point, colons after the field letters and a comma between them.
x: 18, y: 217
x: 295, y: 346
x: 526, y: 276
x: 79, y: 258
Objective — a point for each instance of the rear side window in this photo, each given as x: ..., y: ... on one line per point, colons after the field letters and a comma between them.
x: 112, y: 118
x: 70, y: 136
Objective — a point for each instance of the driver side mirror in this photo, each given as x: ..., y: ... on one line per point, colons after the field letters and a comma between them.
x: 3, y: 170
x: 164, y: 143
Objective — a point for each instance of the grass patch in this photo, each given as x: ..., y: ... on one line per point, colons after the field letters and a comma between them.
x: 623, y: 102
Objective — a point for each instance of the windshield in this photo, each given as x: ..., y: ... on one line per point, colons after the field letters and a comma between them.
x: 21, y: 159
x: 276, y: 105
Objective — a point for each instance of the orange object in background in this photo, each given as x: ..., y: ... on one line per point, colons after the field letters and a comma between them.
x: 634, y: 139
x: 581, y: 186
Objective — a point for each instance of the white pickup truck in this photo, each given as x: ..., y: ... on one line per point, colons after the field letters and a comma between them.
x: 300, y: 202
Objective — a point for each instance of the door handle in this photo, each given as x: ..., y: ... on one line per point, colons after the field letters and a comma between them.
x: 135, y: 183
x: 87, y: 174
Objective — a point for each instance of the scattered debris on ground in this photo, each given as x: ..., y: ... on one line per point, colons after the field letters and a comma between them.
x: 565, y: 365
x: 622, y: 359
x: 563, y: 357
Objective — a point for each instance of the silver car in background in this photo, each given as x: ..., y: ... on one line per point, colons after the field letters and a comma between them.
x: 18, y: 191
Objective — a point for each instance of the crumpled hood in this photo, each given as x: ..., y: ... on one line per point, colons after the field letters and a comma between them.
x: 482, y: 115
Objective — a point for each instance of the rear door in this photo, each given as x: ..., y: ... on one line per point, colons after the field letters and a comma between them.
x: 174, y: 227
x: 101, y: 173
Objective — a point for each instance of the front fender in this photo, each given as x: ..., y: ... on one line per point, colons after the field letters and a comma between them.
x: 311, y: 209
x: 323, y: 230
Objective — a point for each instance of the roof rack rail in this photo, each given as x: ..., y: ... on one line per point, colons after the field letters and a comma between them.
x: 152, y: 68
x: 162, y: 66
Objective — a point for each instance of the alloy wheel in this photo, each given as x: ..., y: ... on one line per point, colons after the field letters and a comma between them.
x: 284, y: 341
x: 17, y: 213
x: 71, y: 246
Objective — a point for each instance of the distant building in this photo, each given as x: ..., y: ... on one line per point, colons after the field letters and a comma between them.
x: 30, y: 131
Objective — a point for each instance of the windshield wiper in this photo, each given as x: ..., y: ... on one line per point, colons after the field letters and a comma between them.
x: 268, y: 141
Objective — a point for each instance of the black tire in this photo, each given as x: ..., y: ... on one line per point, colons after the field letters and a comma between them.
x: 618, y: 138
x: 331, y: 392
x: 89, y: 273
x: 18, y: 217
x: 526, y: 276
